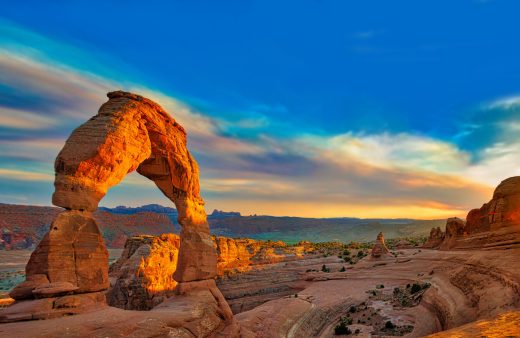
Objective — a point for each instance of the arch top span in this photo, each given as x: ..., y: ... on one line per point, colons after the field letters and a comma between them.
x: 129, y: 132
x: 70, y: 264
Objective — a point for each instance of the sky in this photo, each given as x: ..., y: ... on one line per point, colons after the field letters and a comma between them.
x: 300, y: 108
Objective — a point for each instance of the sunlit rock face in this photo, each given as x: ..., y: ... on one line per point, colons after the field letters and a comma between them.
x: 502, y: 211
x: 133, y: 133
x: 495, y: 225
x: 143, y: 276
x: 503, y: 325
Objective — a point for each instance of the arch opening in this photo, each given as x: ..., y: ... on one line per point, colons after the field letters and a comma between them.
x: 129, y: 133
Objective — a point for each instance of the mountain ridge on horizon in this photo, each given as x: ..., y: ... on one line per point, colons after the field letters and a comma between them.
x: 23, y: 226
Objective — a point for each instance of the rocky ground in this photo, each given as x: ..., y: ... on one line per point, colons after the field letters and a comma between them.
x: 409, y: 292
x: 454, y: 288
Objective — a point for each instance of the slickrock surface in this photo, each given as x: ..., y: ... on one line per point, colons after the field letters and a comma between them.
x: 379, y: 250
x: 504, y: 325
x: 463, y: 286
x: 195, y: 315
x: 495, y: 225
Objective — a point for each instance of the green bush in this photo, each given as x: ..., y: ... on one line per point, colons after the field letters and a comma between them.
x: 341, y: 329
x: 389, y: 325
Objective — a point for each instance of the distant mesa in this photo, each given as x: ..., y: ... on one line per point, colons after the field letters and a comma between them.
x: 496, y: 225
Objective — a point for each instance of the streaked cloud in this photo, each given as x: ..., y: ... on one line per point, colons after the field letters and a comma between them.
x: 21, y: 175
x: 328, y: 175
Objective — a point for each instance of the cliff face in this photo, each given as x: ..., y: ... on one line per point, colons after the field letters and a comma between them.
x: 495, y: 225
x: 143, y: 276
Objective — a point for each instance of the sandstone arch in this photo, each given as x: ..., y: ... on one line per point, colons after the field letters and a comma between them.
x: 128, y: 133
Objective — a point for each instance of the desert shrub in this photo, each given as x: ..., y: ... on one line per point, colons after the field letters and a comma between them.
x: 389, y: 325
x: 357, y: 331
x: 341, y: 329
x: 324, y: 268
x: 342, y: 269
x: 416, y: 288
x: 380, y: 286
x: 352, y: 309
x: 346, y: 253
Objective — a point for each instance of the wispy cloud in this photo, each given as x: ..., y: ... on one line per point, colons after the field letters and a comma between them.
x: 348, y: 174
x: 21, y: 175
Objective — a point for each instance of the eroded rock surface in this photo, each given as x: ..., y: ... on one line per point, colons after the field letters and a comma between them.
x: 435, y: 239
x: 379, y: 249
x: 128, y: 133
x: 495, y: 225
x: 143, y: 276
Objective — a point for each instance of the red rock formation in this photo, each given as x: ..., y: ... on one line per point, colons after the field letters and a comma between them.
x: 379, y: 249
x: 128, y: 133
x: 454, y: 231
x: 495, y: 225
x: 435, y: 239
x: 143, y: 276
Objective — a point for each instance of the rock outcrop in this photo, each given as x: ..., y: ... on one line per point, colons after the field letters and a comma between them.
x: 143, y: 276
x: 454, y: 231
x: 129, y: 133
x: 495, y: 225
x: 379, y: 249
x: 435, y: 239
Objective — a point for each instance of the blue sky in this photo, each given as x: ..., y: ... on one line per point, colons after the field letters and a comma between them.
x: 311, y: 108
